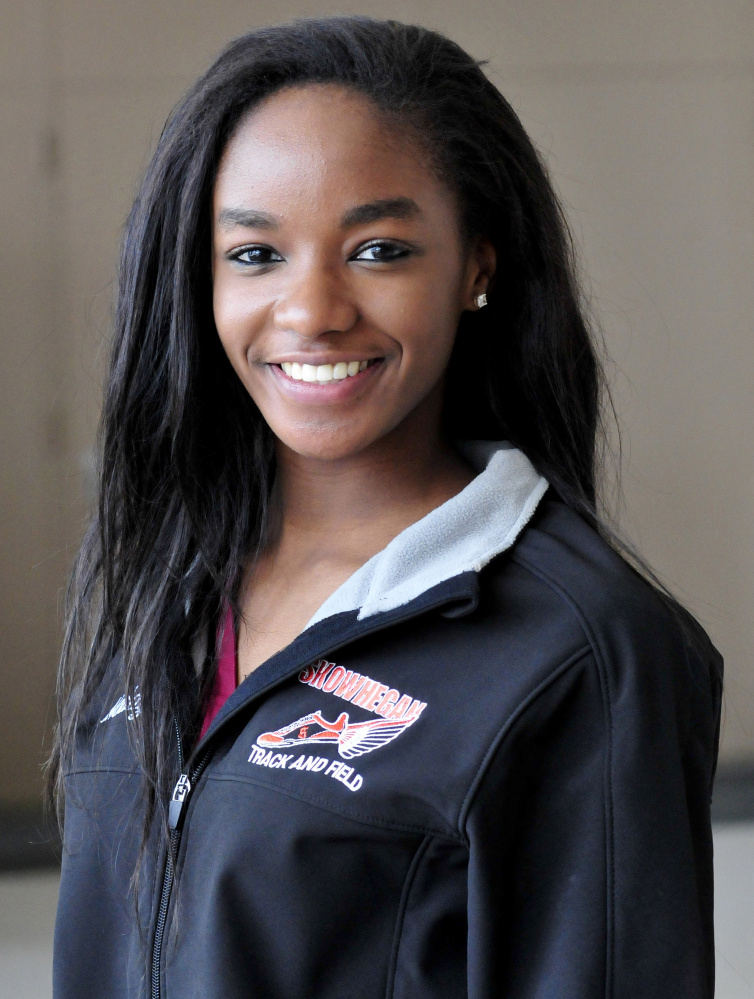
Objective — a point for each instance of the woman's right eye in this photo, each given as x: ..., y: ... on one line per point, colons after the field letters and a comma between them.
x: 255, y: 256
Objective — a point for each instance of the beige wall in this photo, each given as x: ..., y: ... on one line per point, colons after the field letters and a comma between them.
x: 644, y: 111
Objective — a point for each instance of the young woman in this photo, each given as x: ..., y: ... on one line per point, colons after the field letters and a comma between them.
x: 358, y: 697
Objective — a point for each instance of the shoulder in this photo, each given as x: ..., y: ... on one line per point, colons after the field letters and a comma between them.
x: 653, y: 660
x: 613, y: 604
x: 569, y: 558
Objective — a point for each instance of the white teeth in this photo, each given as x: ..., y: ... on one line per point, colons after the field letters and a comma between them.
x: 323, y: 373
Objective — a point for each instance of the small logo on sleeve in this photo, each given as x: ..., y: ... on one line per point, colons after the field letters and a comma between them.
x: 133, y: 708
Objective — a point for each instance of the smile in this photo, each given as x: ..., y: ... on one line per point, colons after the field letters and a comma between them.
x: 323, y: 373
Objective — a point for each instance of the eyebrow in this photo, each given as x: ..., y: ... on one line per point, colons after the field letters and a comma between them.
x: 372, y: 211
x: 249, y: 218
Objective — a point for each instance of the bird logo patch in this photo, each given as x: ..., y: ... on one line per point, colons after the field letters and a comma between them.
x: 351, y: 738
x: 395, y: 713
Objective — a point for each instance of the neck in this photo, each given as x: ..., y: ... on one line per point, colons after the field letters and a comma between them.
x: 352, y: 507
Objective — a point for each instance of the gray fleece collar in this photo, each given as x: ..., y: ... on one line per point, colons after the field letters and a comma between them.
x: 462, y: 534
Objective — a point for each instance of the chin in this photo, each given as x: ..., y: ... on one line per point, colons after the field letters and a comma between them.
x: 322, y: 444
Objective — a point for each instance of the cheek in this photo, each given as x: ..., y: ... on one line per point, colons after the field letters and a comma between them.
x: 226, y: 316
x: 235, y: 317
x: 422, y: 310
x: 425, y: 321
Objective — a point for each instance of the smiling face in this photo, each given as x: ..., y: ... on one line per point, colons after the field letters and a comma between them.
x: 339, y: 271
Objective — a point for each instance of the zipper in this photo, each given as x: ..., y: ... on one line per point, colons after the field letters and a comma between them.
x: 178, y: 802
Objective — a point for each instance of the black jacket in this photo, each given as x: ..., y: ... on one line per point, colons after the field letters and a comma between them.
x: 499, y: 788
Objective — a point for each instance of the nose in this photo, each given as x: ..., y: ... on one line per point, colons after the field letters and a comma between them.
x: 316, y: 302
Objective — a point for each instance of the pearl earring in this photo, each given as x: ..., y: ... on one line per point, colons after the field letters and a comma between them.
x: 481, y: 300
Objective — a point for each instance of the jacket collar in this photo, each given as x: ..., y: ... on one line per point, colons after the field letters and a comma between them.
x: 462, y: 535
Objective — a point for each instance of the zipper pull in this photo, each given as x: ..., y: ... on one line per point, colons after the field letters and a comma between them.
x: 181, y: 792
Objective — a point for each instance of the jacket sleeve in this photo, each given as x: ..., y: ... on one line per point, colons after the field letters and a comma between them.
x: 590, y: 843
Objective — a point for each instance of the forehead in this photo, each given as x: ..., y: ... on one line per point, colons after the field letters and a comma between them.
x: 323, y: 142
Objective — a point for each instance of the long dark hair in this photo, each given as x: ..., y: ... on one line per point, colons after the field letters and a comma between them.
x: 186, y: 460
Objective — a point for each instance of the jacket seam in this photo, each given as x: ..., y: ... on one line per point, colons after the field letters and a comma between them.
x: 408, y: 885
x: 607, y: 698
x: 468, y: 801
x: 101, y: 770
x: 358, y: 817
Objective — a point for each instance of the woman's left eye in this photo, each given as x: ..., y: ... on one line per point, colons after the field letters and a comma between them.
x: 255, y: 256
x: 382, y: 252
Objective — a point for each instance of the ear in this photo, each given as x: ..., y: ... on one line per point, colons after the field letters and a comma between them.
x: 480, y: 271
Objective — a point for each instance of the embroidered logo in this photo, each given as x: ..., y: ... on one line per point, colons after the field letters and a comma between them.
x: 369, y: 694
x: 352, y: 738
x: 397, y: 711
